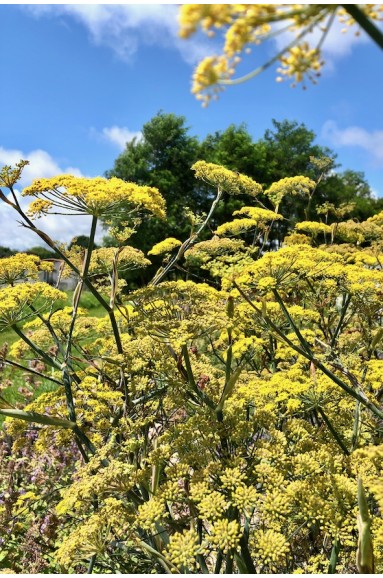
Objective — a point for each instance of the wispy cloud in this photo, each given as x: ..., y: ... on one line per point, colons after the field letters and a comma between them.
x: 120, y: 135
x: 124, y: 27
x: 59, y: 227
x: 355, y: 136
x: 41, y: 164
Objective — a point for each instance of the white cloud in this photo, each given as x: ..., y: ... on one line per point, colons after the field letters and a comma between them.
x: 41, y: 164
x: 59, y: 227
x: 355, y: 136
x: 120, y: 135
x: 123, y: 27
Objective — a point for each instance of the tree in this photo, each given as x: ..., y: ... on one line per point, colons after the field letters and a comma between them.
x: 288, y: 148
x: 81, y: 241
x: 235, y: 149
x: 253, y: 24
x: 41, y: 252
x: 6, y: 252
x: 162, y: 158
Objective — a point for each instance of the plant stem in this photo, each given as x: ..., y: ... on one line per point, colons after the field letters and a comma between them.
x: 48, y: 360
x: 30, y: 370
x: 358, y: 395
x: 185, y: 246
x: 334, y: 557
x: 333, y: 431
x: 365, y: 23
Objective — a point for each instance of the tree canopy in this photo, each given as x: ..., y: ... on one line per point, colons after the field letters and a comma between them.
x: 166, y: 152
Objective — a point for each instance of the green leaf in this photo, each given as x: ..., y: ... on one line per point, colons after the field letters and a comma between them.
x: 364, y: 554
x: 34, y: 417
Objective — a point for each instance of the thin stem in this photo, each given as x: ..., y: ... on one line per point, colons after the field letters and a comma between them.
x: 334, y: 557
x: 358, y: 395
x: 247, y: 557
x: 341, y: 318
x: 30, y: 370
x: 48, y: 360
x: 218, y: 562
x: 364, y: 22
x: 190, y: 241
x: 260, y: 69
x: 333, y: 431
x: 92, y: 562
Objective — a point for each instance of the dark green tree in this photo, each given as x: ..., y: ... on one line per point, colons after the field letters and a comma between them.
x: 235, y: 149
x: 288, y: 148
x: 6, y: 252
x: 41, y: 252
x: 81, y: 241
x: 163, y: 159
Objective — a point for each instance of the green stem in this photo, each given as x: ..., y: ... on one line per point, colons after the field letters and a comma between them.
x: 333, y: 431
x: 356, y: 428
x: 302, y: 340
x: 360, y: 396
x: 334, y: 557
x: 247, y: 557
x: 30, y: 370
x: 92, y: 562
x: 218, y: 562
x: 341, y: 318
x: 229, y: 563
x: 185, y: 246
x: 48, y: 360
x: 364, y: 22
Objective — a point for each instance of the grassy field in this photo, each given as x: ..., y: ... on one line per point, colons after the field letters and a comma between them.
x: 11, y: 380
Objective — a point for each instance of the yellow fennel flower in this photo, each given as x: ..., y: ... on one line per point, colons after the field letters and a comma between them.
x: 65, y: 194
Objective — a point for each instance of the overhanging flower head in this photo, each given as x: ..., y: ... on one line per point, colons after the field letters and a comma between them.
x: 98, y: 197
x: 229, y: 181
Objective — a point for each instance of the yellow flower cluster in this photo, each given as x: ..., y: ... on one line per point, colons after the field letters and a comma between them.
x: 226, y: 180
x: 270, y: 549
x: 215, y: 247
x: 90, y: 538
x: 352, y: 232
x: 237, y: 227
x: 206, y: 15
x: 183, y: 549
x: 149, y: 513
x: 225, y: 535
x: 21, y: 267
x: 15, y: 301
x: 299, y: 62
x: 258, y: 214
x: 207, y: 75
x: 289, y: 186
x: 10, y: 175
x: 97, y: 197
x: 313, y: 228
x: 296, y: 239
x: 212, y: 506
x: 165, y: 246
x: 106, y: 259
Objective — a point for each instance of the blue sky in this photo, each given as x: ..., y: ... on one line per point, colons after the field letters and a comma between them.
x: 78, y: 81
